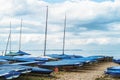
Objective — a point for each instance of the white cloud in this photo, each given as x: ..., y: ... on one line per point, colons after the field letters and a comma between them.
x: 114, y: 26
x: 78, y: 12
x: 84, y: 10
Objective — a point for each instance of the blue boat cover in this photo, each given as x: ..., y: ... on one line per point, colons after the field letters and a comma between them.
x: 84, y: 60
x: 40, y: 70
x: 114, y: 68
x: 114, y: 71
x: 11, y: 54
x: 116, y: 61
x: 62, y: 63
x: 65, y: 56
x: 72, y: 61
x: 29, y: 58
x: 9, y: 74
x: 18, y: 68
x: 30, y: 62
x: 19, y: 53
x: 23, y: 58
x: 22, y: 53
x: 7, y: 57
x: 26, y: 69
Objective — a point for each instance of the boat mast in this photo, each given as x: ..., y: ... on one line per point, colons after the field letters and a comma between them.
x: 64, y: 35
x: 8, y: 39
x: 10, y: 36
x: 46, y: 30
x: 20, y: 35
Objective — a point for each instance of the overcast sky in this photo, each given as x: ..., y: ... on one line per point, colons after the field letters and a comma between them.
x: 91, y: 24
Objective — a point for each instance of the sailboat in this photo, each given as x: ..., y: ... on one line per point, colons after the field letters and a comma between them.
x: 20, y: 55
x: 23, y: 56
x: 61, y: 63
x: 53, y: 55
x: 63, y: 55
x: 9, y: 44
x: 18, y: 67
x: 20, y: 52
x: 65, y: 60
x: 45, y: 41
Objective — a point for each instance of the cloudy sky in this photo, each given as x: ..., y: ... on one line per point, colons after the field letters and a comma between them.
x: 91, y: 24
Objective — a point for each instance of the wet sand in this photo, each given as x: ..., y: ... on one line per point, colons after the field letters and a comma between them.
x: 86, y: 73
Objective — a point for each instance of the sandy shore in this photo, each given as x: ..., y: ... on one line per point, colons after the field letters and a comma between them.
x: 86, y: 73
